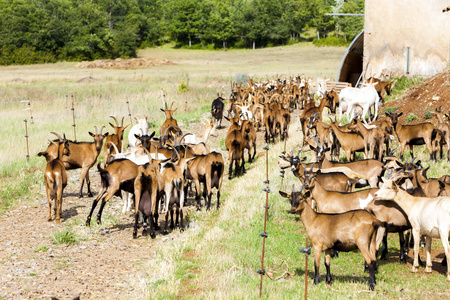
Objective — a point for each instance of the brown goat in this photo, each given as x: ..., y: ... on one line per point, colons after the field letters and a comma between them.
x: 55, y: 177
x: 357, y: 229
x: 82, y: 155
x: 350, y: 142
x: 118, y: 175
x: 418, y: 134
x: 170, y: 121
x: 373, y: 139
x: 208, y: 169
x: 115, y: 138
x: 235, y: 143
x: 249, y: 135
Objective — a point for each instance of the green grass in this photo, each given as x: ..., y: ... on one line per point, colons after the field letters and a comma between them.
x: 66, y: 237
x: 402, y: 84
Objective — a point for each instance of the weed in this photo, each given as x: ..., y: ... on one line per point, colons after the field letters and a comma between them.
x: 411, y: 117
x: 390, y: 109
x: 66, y: 236
x: 183, y: 88
x: 428, y: 114
x: 43, y: 248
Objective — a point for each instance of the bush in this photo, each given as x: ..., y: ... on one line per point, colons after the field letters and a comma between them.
x: 330, y: 41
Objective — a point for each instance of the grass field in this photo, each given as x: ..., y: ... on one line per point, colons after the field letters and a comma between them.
x: 219, y: 257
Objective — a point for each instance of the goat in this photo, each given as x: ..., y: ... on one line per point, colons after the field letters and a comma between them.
x: 333, y: 201
x: 373, y: 138
x: 348, y: 231
x: 170, y: 121
x: 365, y: 97
x: 234, y: 143
x: 249, y: 135
x: 444, y: 127
x: 333, y: 181
x: 217, y: 107
x: 208, y: 169
x: 118, y: 175
x: 428, y: 216
x: 147, y: 185
x: 350, y: 142
x: 141, y: 128
x: 115, y: 138
x: 55, y: 177
x: 418, y: 134
x: 194, y: 139
x: 82, y: 155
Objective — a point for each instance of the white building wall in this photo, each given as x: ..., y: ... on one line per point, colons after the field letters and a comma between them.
x: 391, y: 26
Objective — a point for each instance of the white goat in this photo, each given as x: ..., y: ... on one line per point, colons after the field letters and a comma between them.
x: 364, y: 97
x: 428, y: 216
x: 194, y: 139
x: 141, y: 128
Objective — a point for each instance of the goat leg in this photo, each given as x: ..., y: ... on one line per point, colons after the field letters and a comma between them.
x: 327, y: 265
x: 403, y: 246
x: 385, y: 249
x: 317, y: 255
x: 100, y: 211
x: 372, y: 269
x: 218, y: 199
x: 88, y: 220
x: 136, y: 220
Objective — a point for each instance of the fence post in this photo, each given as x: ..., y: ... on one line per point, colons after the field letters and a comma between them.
x: 26, y: 137
x: 74, y: 125
x: 129, y: 113
x: 284, y: 153
x: 306, y: 251
x: 262, y: 272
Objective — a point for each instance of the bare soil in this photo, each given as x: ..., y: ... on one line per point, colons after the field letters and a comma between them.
x: 125, y: 64
x: 428, y: 95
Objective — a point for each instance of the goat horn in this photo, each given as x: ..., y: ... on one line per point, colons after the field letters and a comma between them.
x: 139, y: 116
x: 122, y: 122
x: 101, y: 129
x: 114, y: 146
x: 171, y: 105
x: 149, y: 154
x: 117, y: 123
x: 96, y: 130
x: 293, y: 188
x: 59, y: 137
x: 182, y: 137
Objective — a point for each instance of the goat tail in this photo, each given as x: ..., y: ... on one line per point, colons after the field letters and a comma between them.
x: 178, y: 183
x: 99, y: 167
x: 380, y: 228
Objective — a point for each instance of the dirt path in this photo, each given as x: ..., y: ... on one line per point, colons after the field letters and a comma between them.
x: 107, y: 263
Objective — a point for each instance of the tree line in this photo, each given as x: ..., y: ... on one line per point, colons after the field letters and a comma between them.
x: 39, y: 31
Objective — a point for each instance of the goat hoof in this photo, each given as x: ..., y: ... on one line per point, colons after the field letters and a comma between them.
x: 134, y: 235
x: 88, y: 223
x: 414, y: 269
x: 90, y: 195
x: 153, y: 235
x: 144, y: 232
x: 371, y: 286
x: 428, y: 270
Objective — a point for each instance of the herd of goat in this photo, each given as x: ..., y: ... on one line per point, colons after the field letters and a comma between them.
x: 157, y: 172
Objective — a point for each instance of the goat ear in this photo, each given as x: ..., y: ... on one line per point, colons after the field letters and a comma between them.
x: 106, y: 134
x: 162, y: 110
x: 137, y: 136
x: 174, y: 110
x: 400, y: 114
x: 91, y: 134
x: 112, y: 125
x: 283, y: 194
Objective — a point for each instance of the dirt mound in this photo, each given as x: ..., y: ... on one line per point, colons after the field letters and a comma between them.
x: 125, y: 64
x: 427, y: 95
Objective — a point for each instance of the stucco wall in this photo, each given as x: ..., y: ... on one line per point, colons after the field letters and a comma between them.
x: 392, y: 26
